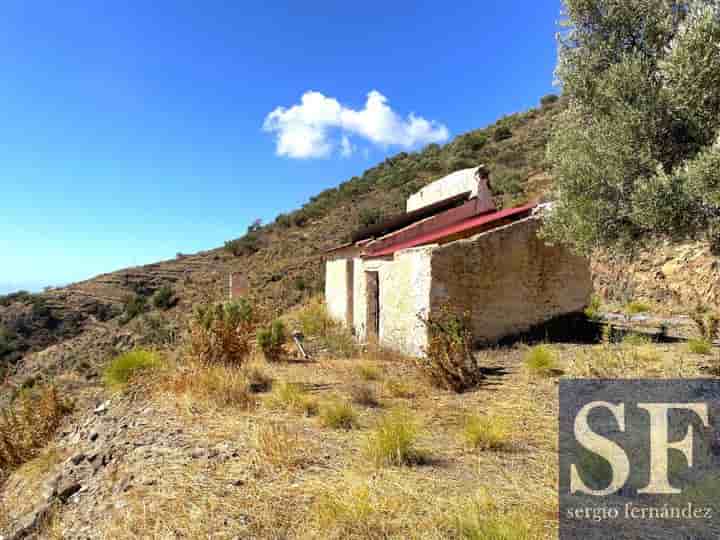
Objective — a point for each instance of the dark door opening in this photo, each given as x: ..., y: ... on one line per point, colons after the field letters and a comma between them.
x: 373, y: 304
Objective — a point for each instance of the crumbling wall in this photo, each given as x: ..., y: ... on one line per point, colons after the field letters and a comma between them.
x: 509, y: 280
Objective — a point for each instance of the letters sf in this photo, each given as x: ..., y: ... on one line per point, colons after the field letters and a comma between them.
x: 659, y: 483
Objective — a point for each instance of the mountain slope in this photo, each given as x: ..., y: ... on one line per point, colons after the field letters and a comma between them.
x: 283, y: 260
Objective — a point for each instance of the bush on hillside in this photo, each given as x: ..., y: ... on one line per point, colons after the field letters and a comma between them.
x: 271, y: 341
x: 247, y: 245
x: 129, y: 365
x: 548, y: 100
x: 370, y: 216
x: 502, y: 133
x: 134, y: 306
x: 164, y: 297
x: 449, y: 362
x: 221, y: 333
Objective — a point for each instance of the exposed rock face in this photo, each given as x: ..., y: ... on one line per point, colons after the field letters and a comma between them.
x: 676, y: 277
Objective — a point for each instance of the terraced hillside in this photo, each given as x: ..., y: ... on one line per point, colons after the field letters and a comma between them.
x: 283, y: 259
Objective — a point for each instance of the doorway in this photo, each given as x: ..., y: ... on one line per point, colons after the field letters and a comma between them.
x: 372, y: 288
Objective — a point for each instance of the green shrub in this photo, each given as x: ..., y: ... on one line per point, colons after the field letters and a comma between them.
x: 338, y: 414
x: 393, y: 441
x: 699, y: 346
x: 314, y: 319
x: 221, y: 333
x: 299, y: 283
x: 486, y: 433
x: 128, y: 365
x: 449, y: 362
x: 635, y: 307
x: 247, y: 245
x: 502, y: 133
x: 548, y: 100
x: 164, y: 297
x: 271, y: 341
x: 339, y: 342
x: 134, y: 306
x: 370, y: 216
x: 283, y: 220
x: 541, y: 360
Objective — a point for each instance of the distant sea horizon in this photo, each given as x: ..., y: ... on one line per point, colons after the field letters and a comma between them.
x: 7, y: 288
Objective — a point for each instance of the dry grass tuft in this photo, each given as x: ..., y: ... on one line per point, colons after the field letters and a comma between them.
x: 400, y: 389
x: 487, y: 433
x: 393, y: 441
x: 292, y: 397
x: 213, y: 386
x: 353, y: 512
x: 482, y: 519
x: 278, y: 446
x: 541, y: 360
x: 368, y: 371
x: 257, y: 379
x: 636, y: 307
x: 27, y: 425
x: 364, y: 394
x: 699, y: 346
x: 338, y: 414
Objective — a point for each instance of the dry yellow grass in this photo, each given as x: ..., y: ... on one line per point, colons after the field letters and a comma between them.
x: 293, y: 478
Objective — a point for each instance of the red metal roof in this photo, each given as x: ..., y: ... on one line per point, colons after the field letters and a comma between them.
x: 462, y: 228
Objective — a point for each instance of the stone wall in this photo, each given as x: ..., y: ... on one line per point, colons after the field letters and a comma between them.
x: 509, y: 280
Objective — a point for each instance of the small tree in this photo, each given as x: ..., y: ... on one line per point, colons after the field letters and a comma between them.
x: 635, y: 153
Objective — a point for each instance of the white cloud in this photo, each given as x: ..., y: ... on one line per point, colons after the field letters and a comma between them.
x: 306, y: 130
x: 346, y: 147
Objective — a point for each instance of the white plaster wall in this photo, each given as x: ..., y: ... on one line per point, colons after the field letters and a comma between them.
x: 449, y: 186
x: 359, y: 303
x: 405, y: 299
x: 336, y: 288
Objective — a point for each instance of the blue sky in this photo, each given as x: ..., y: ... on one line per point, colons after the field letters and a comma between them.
x: 130, y: 131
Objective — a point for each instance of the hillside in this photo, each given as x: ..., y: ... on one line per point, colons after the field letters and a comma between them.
x: 297, y: 448
x: 283, y: 259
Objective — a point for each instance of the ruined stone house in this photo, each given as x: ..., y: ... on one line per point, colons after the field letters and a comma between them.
x: 453, y: 247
